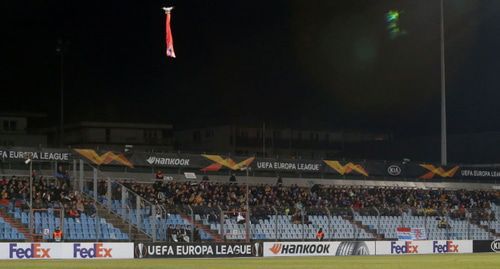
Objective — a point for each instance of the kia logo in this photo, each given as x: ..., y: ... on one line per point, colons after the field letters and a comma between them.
x: 495, y: 246
x: 394, y: 170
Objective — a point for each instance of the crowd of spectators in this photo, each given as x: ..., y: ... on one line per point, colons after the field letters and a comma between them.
x: 48, y: 192
x: 56, y: 192
x: 388, y: 200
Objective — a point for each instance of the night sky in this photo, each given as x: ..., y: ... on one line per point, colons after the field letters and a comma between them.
x: 328, y: 64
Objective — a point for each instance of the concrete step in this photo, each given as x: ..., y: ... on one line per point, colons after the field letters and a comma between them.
x: 15, y: 223
x: 118, y: 222
x: 215, y: 235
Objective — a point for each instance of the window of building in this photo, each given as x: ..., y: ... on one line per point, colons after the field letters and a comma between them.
x: 196, y: 136
x: 5, y: 125
x: 108, y: 135
x: 209, y: 133
x: 13, y: 125
x: 166, y: 133
x: 277, y: 134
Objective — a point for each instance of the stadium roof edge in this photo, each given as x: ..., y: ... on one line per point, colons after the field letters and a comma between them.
x: 119, y: 125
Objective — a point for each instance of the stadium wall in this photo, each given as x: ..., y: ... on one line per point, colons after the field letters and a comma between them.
x: 9, y: 251
x: 66, y: 250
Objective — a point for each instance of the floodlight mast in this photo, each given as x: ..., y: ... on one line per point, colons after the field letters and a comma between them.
x: 29, y: 160
x: 444, y: 157
x: 247, y: 202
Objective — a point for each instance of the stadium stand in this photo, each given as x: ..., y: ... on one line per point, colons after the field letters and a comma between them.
x: 292, y: 212
x: 208, y: 211
x: 52, y: 195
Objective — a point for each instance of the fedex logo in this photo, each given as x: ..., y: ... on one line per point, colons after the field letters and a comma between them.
x: 94, y: 252
x: 34, y: 251
x: 446, y: 248
x: 407, y: 248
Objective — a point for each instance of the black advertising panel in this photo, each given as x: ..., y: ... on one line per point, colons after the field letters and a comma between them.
x: 307, y: 166
x: 169, y: 160
x: 382, y: 169
x: 479, y: 172
x: 37, y: 154
x: 430, y: 172
x: 486, y: 246
x: 211, y: 163
x: 195, y: 250
x: 346, y: 168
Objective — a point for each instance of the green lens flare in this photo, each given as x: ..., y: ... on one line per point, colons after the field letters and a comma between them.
x: 392, y: 18
x: 392, y: 15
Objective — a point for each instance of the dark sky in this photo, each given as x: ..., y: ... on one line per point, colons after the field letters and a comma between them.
x: 319, y: 63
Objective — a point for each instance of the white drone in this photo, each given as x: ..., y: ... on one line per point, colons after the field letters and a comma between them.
x: 168, y: 9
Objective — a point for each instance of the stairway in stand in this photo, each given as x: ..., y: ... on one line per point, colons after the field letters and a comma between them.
x: 360, y: 225
x: 118, y: 222
x: 15, y: 223
x: 487, y: 229
x: 200, y: 226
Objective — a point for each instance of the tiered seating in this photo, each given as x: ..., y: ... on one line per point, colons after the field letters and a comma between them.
x: 459, y: 229
x: 86, y: 228
x: 341, y: 228
x: 7, y: 232
x: 281, y: 227
x: 494, y: 225
x: 83, y: 228
x: 146, y: 218
x: 341, y: 201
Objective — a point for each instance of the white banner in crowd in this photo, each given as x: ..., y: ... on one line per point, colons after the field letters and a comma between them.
x: 66, y: 250
x: 405, y: 233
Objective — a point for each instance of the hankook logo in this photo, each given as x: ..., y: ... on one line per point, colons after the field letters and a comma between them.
x: 276, y: 248
x: 153, y: 160
x: 394, y: 170
x: 495, y: 246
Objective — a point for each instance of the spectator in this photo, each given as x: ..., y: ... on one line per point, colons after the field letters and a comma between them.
x: 90, y: 209
x: 57, y: 235
x: 73, y: 213
x: 443, y: 224
x: 240, y: 219
x: 182, y: 235
x: 171, y: 234
x: 320, y: 235
x: 80, y: 207
x: 159, y: 175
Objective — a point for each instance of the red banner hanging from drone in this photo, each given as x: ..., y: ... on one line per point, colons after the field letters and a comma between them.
x: 168, y: 33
